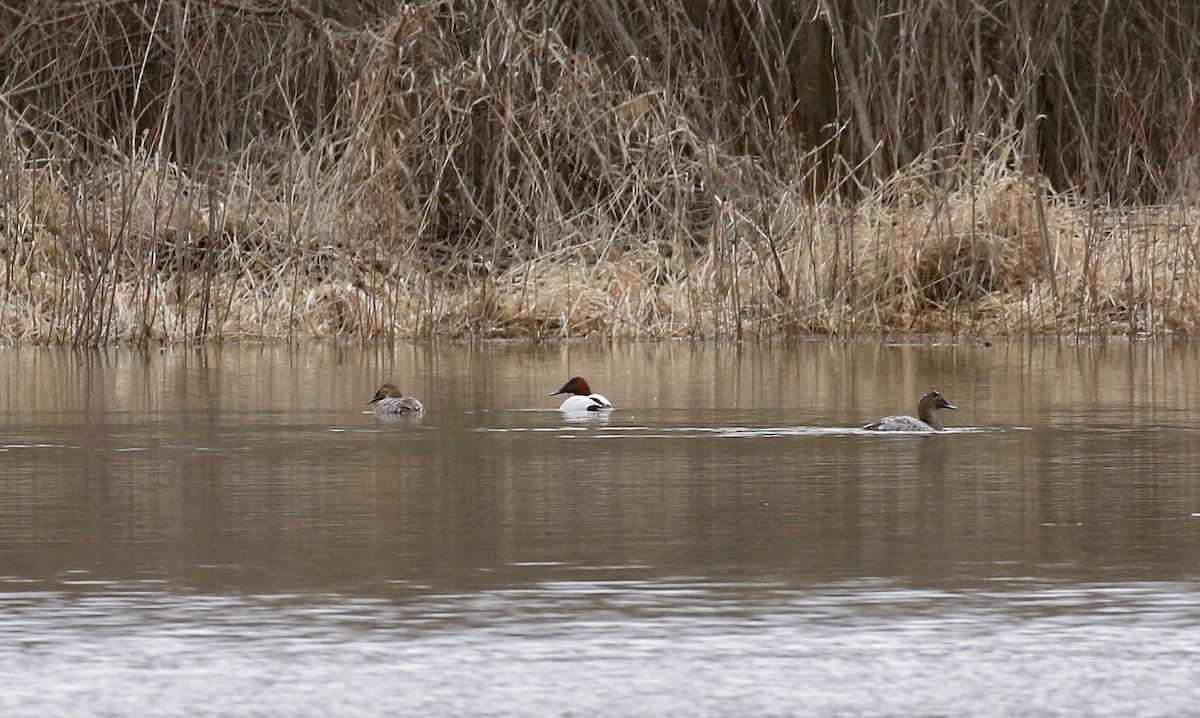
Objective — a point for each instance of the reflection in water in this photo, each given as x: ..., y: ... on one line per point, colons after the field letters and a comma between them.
x: 239, y: 513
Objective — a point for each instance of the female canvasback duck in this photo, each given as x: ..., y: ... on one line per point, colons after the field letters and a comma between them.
x: 582, y: 398
x: 389, y: 400
x: 926, y: 422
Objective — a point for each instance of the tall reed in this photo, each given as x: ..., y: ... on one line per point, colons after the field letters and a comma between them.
x: 180, y: 171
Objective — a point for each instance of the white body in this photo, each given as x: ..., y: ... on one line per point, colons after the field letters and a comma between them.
x: 398, y: 405
x: 588, y: 402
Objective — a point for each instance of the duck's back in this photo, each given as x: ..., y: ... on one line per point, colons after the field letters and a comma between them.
x: 398, y: 405
x: 899, y: 423
x: 588, y: 402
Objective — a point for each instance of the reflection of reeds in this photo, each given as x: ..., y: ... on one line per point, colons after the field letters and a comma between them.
x: 195, y: 171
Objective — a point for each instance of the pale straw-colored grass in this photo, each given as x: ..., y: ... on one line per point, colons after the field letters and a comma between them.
x: 491, y: 169
x: 140, y: 264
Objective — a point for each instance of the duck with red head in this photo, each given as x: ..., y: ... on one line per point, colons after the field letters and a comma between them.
x: 927, y: 421
x: 389, y: 400
x: 581, y: 397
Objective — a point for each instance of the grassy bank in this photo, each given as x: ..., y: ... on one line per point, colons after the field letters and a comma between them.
x: 183, y: 171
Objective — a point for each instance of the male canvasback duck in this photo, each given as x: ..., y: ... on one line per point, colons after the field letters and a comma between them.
x: 389, y: 400
x: 582, y: 398
x: 926, y: 422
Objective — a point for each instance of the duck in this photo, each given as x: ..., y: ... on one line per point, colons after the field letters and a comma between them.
x: 927, y: 421
x: 389, y: 400
x: 581, y: 397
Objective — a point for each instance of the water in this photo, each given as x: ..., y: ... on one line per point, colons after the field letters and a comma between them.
x: 225, y: 532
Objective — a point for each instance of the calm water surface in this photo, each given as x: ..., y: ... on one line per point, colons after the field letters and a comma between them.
x: 226, y: 532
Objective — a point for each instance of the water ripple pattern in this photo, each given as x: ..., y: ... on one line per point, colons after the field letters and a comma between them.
x: 629, y: 647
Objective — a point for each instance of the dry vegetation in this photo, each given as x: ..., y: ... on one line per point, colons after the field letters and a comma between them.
x: 178, y: 170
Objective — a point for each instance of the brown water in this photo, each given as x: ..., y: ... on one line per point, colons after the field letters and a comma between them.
x: 225, y: 532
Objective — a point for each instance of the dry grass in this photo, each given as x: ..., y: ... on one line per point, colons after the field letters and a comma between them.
x: 229, y: 171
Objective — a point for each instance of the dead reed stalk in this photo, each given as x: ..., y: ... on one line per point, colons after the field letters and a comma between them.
x: 177, y: 171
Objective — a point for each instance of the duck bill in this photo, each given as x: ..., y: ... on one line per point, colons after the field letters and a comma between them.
x: 948, y: 405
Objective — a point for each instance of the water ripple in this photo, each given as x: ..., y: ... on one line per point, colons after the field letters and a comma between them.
x: 661, y: 647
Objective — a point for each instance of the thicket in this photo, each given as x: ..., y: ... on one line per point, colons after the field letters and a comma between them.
x: 187, y: 170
